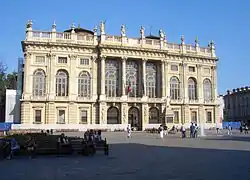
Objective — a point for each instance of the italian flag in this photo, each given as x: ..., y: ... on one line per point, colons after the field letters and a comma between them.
x: 129, y: 87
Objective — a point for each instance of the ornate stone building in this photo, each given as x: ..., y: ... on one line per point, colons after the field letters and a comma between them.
x: 82, y: 79
x: 237, y: 105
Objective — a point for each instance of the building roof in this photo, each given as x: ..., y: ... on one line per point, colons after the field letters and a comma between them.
x: 80, y: 30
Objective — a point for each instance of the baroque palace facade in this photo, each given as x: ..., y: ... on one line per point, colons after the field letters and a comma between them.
x: 82, y: 78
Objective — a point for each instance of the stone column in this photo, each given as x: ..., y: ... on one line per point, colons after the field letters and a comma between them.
x: 124, y: 113
x: 201, y: 115
x: 145, y: 113
x: 124, y: 76
x: 144, y: 61
x: 103, y: 95
x: 163, y: 80
x: 216, y: 114
x: 199, y: 84
x: 185, y: 84
x: 27, y: 80
x: 51, y: 76
x: 72, y: 78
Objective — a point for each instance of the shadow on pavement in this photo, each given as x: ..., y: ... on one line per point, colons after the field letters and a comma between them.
x: 135, y: 162
x: 231, y: 138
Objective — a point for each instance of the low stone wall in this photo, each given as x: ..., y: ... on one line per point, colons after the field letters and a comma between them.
x: 73, y: 127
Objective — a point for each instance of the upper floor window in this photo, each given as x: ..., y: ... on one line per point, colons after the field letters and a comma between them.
x: 62, y: 83
x: 40, y: 60
x: 62, y: 60
x: 39, y: 83
x: 84, y: 84
x: 191, y: 69
x: 84, y: 61
x: 174, y: 67
x: 192, y: 89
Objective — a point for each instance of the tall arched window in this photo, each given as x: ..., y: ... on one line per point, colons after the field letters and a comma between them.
x: 39, y: 83
x: 151, y: 80
x: 132, y: 78
x: 84, y: 84
x: 192, y: 89
x: 113, y: 116
x: 111, y: 78
x: 174, y: 88
x: 62, y: 83
x: 207, y: 90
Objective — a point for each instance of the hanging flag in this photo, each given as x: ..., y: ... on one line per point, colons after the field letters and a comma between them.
x: 129, y: 87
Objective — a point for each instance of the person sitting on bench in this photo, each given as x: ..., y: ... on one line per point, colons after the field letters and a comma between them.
x: 64, y: 145
x: 14, y: 147
x: 31, y: 146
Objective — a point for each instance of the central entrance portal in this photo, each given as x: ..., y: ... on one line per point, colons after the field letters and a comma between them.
x: 134, y: 119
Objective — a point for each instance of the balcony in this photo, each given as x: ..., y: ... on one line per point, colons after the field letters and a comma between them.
x: 113, y: 99
x: 176, y: 101
x: 85, y: 99
x: 193, y: 101
x: 154, y: 100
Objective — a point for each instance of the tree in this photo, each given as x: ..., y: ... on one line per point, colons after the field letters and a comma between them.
x: 11, y: 81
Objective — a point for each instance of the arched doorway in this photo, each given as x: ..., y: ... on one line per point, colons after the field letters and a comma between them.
x: 134, y: 118
x: 154, y: 117
x: 113, y: 115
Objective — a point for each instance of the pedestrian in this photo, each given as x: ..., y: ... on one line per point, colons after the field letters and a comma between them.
x: 161, y: 131
x: 246, y: 129
x: 196, y: 131
x: 191, y: 130
x: 183, y: 131
x: 217, y: 128
x: 229, y: 130
x: 128, y: 131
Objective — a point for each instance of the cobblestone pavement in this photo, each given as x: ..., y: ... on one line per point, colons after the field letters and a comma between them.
x: 144, y: 156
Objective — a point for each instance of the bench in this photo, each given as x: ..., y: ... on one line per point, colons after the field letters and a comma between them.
x: 102, y: 146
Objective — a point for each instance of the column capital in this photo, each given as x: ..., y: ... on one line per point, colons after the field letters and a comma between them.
x: 144, y: 59
x: 93, y: 58
x: 124, y: 58
x: 72, y: 56
x: 27, y: 54
x: 185, y: 64
x: 199, y: 65
x: 214, y: 67
x: 50, y: 55
x: 102, y: 57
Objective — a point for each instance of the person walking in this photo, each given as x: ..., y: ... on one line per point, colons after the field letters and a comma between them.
x: 128, y: 131
x: 161, y: 131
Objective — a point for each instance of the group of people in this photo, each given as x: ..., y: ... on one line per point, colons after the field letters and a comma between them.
x: 10, y: 147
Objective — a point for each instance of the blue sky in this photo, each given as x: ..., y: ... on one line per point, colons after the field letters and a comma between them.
x: 226, y: 22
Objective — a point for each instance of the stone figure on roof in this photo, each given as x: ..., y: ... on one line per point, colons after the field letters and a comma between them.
x: 142, y: 32
x: 123, y: 30
x: 102, y: 27
x: 161, y: 34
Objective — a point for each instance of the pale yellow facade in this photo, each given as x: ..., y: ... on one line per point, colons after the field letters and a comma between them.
x: 76, y: 51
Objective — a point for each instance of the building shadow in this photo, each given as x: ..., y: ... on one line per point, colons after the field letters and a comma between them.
x: 135, y: 161
x: 231, y: 138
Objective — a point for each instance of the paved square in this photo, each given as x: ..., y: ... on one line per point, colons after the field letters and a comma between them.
x: 144, y: 156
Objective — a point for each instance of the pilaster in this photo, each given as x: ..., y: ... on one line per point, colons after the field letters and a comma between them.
x: 51, y: 113
x: 124, y: 59
x: 26, y: 109
x: 199, y: 84
x: 144, y: 61
x: 94, y: 80
x: 72, y: 78
x: 167, y: 89
x: 201, y: 115
x: 27, y: 88
x: 214, y: 84
x: 102, y: 95
x: 186, y: 114
x: 216, y: 114
x: 51, y: 63
x: 145, y: 118
x: 185, y: 84
x: 163, y: 80
x: 73, y: 111
x: 124, y: 113
x: 103, y: 113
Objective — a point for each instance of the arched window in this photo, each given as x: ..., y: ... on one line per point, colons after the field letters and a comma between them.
x: 174, y: 88
x: 192, y: 89
x: 132, y: 78
x: 207, y: 90
x: 151, y: 80
x: 111, y: 78
x: 113, y: 116
x: 154, y: 116
x: 84, y: 84
x: 39, y: 83
x: 62, y: 83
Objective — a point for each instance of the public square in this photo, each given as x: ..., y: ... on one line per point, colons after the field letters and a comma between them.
x: 144, y: 156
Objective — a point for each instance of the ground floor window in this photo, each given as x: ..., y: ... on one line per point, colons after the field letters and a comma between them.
x: 113, y: 116
x: 209, y: 117
x: 193, y: 116
x: 170, y: 119
x: 176, y: 117
x: 61, y: 116
x: 38, y: 116
x: 83, y: 116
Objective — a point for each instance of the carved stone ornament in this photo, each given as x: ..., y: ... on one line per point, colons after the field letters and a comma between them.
x: 27, y: 54
x: 72, y: 56
x: 51, y: 55
x: 145, y: 111
x: 124, y: 114
x: 102, y: 114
